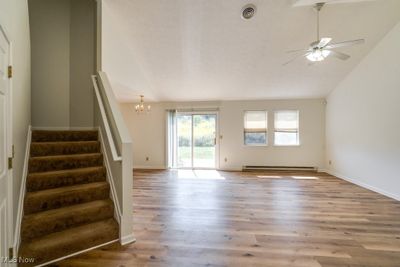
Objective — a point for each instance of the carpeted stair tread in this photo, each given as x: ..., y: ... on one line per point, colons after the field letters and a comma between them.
x: 67, y: 206
x: 64, y: 196
x: 64, y: 162
x: 102, y: 259
x: 56, y: 245
x: 55, y: 220
x: 53, y: 179
x: 63, y: 136
x: 64, y: 148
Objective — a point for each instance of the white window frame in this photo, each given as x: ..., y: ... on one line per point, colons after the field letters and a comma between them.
x: 266, y: 129
x: 298, y: 127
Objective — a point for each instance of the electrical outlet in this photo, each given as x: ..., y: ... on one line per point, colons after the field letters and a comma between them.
x: 147, y: 158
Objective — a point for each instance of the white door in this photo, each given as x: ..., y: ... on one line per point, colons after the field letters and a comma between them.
x: 5, y: 194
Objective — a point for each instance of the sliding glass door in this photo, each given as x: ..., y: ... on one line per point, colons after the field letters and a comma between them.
x: 204, y: 140
x: 184, y: 133
x: 196, y: 140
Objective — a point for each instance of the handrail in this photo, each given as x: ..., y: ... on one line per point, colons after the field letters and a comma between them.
x: 117, y: 151
x: 110, y: 138
x: 123, y: 132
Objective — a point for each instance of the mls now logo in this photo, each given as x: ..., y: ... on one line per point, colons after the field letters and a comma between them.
x: 17, y: 260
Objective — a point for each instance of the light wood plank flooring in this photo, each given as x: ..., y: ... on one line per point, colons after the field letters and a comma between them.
x: 210, y: 218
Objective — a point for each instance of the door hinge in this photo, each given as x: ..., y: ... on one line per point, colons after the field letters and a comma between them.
x: 10, y: 163
x: 10, y: 71
x: 11, y: 253
x: 13, y: 151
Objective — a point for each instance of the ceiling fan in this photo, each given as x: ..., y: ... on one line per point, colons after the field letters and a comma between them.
x: 322, y: 48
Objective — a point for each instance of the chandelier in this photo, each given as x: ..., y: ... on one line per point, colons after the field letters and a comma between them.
x: 141, y: 107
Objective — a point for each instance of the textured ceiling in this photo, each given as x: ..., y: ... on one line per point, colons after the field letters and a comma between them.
x: 313, y: 2
x: 188, y: 50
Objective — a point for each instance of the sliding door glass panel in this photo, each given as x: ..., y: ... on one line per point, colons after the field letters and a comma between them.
x: 184, y: 141
x: 204, y: 128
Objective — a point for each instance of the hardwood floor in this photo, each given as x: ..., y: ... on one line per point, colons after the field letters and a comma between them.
x: 210, y: 218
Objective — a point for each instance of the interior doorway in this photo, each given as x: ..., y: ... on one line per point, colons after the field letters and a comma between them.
x: 195, y: 140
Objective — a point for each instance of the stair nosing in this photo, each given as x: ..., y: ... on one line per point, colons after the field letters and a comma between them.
x: 67, y: 155
x: 65, y: 188
x: 61, y: 209
x: 75, y: 170
x: 63, y: 142
x: 65, y: 131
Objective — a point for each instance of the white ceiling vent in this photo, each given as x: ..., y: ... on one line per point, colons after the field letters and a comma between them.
x: 248, y: 11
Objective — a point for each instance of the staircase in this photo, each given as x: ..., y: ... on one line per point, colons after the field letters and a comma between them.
x: 67, y: 206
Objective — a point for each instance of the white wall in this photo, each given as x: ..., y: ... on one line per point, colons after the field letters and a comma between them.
x: 363, y: 124
x: 82, y: 62
x: 148, y: 134
x: 63, y: 58
x: 312, y: 135
x: 50, y: 35
x: 15, y: 20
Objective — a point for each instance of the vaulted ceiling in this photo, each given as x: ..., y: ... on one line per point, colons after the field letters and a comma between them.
x: 189, y: 50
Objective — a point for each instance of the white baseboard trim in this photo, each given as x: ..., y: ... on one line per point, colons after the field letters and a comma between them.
x: 230, y: 169
x: 67, y: 128
x: 364, y: 185
x: 20, y: 211
x: 146, y: 167
x: 322, y: 170
x: 125, y: 240
x: 77, y: 253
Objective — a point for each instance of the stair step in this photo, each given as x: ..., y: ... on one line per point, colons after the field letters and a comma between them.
x: 56, y: 220
x: 56, y: 245
x: 64, y: 148
x: 53, y: 179
x: 63, y: 136
x: 103, y: 259
x: 64, y: 162
x: 65, y: 196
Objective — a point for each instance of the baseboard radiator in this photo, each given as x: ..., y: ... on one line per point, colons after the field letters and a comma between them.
x: 277, y: 168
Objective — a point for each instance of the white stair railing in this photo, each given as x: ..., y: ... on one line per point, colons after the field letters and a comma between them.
x: 117, y: 151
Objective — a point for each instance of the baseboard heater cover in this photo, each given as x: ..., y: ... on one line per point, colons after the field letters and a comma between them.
x: 277, y: 168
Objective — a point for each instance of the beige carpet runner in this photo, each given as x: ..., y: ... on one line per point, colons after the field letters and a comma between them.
x: 67, y: 205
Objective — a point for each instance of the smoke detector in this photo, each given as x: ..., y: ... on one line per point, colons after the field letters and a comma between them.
x: 248, y: 11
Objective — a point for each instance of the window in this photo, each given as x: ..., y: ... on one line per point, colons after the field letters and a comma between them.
x: 255, y: 128
x: 286, y: 128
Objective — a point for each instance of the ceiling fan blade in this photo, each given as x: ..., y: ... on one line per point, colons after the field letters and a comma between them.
x: 296, y: 57
x: 323, y: 42
x: 339, y: 55
x: 298, y: 50
x: 345, y: 43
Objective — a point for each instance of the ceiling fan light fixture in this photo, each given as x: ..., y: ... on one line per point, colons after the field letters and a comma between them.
x: 322, y: 48
x: 318, y: 55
